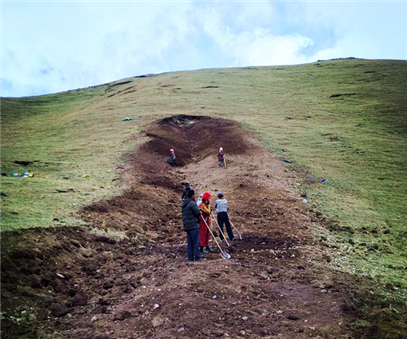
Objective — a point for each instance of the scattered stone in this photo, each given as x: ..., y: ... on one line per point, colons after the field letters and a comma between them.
x: 32, y: 317
x: 78, y: 300
x: 180, y: 330
x: 324, y: 291
x: 60, y: 275
x: 122, y: 315
x: 292, y: 317
x: 156, y: 306
x: 245, y: 318
x: 157, y: 321
x: 94, y: 318
x: 60, y: 311
x: 109, y: 283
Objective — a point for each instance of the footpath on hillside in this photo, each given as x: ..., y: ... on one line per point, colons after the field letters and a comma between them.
x: 280, y: 282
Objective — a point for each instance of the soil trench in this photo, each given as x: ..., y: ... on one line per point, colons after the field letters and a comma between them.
x: 129, y: 277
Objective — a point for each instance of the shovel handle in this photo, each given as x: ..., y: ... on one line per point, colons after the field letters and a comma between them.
x: 235, y: 228
x: 220, y: 230
x: 217, y: 244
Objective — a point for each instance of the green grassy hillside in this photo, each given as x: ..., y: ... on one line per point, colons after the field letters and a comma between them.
x: 342, y: 120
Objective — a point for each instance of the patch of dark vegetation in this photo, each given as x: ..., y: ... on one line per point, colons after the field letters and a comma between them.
x: 25, y: 163
x: 146, y: 76
x: 335, y: 59
x: 65, y: 191
x: 121, y: 83
x: 342, y: 95
x: 210, y: 87
x: 130, y: 91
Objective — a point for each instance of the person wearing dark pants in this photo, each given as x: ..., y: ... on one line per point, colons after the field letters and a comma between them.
x: 190, y: 219
x: 193, y: 245
x: 221, y: 206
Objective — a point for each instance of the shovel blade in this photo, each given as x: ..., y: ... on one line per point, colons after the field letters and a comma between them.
x: 225, y: 255
x: 240, y: 236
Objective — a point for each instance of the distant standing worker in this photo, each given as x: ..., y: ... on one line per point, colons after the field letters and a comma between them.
x: 186, y: 189
x: 221, y: 206
x: 172, y: 160
x: 190, y: 218
x: 220, y: 157
x: 205, y: 221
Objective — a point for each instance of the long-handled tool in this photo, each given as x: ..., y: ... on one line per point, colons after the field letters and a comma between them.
x: 240, y: 236
x: 231, y: 248
x: 223, y: 254
x: 224, y: 160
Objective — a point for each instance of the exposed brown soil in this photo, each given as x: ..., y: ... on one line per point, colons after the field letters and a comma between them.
x: 280, y: 283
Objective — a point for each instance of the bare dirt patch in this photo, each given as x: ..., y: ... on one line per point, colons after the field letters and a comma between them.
x: 68, y: 283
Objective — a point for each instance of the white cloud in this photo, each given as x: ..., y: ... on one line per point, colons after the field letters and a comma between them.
x: 55, y: 46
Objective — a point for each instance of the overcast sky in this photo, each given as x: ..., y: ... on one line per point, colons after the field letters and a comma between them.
x: 54, y: 46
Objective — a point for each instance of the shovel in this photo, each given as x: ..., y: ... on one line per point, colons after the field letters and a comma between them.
x: 224, y: 160
x: 231, y: 248
x: 223, y: 254
x: 240, y: 236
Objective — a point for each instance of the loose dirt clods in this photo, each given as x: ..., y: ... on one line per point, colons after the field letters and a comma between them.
x: 128, y: 277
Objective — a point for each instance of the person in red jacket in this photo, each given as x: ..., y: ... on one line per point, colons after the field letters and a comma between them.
x: 204, y: 234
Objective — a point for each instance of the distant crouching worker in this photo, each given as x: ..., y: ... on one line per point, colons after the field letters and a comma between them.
x: 172, y: 160
x: 220, y: 157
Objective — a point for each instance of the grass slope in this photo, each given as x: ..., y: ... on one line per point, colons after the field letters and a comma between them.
x: 343, y: 120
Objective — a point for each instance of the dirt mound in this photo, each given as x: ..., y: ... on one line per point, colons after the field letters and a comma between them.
x: 153, y: 198
x: 128, y: 277
x: 194, y: 138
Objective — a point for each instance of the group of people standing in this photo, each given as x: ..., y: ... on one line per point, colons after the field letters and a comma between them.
x: 196, y: 217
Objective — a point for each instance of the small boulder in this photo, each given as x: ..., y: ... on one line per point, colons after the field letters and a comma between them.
x: 292, y: 317
x: 109, y: 283
x: 122, y: 315
x: 78, y: 300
